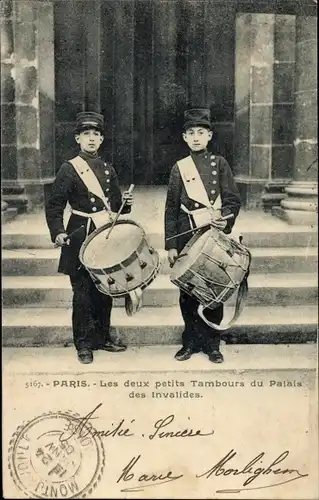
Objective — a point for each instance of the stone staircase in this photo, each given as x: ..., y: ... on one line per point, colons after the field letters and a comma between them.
x: 281, y: 306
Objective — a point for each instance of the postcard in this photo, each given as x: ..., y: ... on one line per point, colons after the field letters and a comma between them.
x: 159, y: 250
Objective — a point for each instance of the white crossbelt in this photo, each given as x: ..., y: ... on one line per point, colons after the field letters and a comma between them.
x: 99, y: 218
x: 90, y: 180
x: 196, y: 190
x: 203, y: 215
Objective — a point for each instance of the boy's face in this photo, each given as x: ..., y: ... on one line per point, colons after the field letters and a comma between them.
x: 197, y: 138
x: 89, y: 140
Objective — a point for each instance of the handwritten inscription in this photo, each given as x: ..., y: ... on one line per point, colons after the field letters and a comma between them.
x: 146, y: 478
x: 249, y: 470
x: 250, y: 473
x: 82, y: 427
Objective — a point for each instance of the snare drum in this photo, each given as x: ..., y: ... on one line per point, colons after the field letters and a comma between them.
x: 121, y: 263
x: 211, y: 267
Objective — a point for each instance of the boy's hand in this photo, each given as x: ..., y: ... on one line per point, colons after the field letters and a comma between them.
x: 172, y: 256
x: 61, y: 240
x: 216, y: 220
x: 128, y: 198
x: 218, y: 223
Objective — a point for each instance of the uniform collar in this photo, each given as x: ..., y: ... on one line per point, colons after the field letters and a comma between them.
x: 199, y: 154
x: 88, y: 156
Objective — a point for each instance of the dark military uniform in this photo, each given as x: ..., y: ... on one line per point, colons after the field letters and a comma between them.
x: 91, y: 308
x: 218, y: 180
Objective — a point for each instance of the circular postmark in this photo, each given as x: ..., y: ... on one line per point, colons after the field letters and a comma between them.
x: 56, y: 455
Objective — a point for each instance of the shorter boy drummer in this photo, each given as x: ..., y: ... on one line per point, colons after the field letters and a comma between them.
x: 197, y: 181
x: 91, y: 187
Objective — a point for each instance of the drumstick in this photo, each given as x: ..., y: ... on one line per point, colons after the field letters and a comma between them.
x: 229, y: 216
x: 130, y: 189
x: 70, y: 236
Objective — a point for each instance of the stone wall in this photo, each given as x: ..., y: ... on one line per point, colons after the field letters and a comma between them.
x: 27, y: 105
x: 265, y: 68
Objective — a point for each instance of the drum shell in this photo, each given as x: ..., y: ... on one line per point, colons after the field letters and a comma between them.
x: 137, y: 270
x: 216, y: 273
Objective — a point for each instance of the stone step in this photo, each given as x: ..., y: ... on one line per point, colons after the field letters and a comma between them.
x: 154, y: 326
x: 46, y: 291
x: 258, y: 230
x: 9, y: 214
x: 251, y: 240
x: 44, y: 262
x: 136, y: 360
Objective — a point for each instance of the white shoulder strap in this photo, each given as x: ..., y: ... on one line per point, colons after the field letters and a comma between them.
x: 89, y: 178
x: 193, y: 183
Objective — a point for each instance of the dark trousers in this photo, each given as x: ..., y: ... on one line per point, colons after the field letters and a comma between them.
x: 197, y: 334
x: 91, y: 312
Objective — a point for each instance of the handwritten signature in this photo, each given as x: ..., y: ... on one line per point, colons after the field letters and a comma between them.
x: 167, y: 427
x: 82, y: 427
x: 148, y: 479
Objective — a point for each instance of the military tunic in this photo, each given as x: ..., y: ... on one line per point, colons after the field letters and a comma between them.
x: 91, y: 309
x: 218, y: 181
x: 68, y: 187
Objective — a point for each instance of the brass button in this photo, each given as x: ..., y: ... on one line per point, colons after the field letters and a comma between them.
x: 196, y: 205
x: 213, y: 164
x: 93, y: 200
x: 214, y: 182
x: 214, y: 172
x: 107, y: 180
x: 107, y: 172
x: 212, y: 157
x: 107, y: 189
x: 213, y: 191
x: 107, y: 199
x: 94, y: 209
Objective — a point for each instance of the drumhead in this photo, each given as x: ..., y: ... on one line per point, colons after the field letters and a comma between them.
x: 193, y: 251
x: 101, y: 253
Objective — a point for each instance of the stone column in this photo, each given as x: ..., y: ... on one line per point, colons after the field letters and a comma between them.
x: 282, y: 111
x: 264, y: 102
x: 300, y: 207
x: 254, y: 96
x: 28, y: 104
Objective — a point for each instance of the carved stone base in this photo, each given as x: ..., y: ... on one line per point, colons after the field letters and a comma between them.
x: 250, y: 191
x: 15, y: 197
x: 4, y: 206
x: 300, y: 207
x: 7, y: 213
x: 274, y: 193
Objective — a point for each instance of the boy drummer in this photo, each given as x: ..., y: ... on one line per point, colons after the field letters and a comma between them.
x: 201, y: 190
x: 91, y: 187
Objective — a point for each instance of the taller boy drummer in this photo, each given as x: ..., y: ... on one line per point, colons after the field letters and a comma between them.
x: 201, y: 189
x: 91, y: 187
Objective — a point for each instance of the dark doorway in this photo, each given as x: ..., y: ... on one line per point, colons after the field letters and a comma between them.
x: 143, y: 62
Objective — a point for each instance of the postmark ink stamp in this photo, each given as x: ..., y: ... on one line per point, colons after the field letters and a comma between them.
x: 49, y: 458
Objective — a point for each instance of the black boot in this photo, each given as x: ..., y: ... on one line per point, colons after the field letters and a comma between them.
x: 186, y: 351
x: 85, y: 356
x: 215, y: 356
x: 111, y: 346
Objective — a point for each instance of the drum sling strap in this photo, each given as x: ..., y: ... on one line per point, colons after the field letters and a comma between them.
x: 133, y: 301
x: 90, y: 180
x: 196, y: 191
x: 240, y: 302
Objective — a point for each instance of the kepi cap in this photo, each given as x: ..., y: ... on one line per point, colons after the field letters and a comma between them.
x: 197, y: 117
x: 88, y: 119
